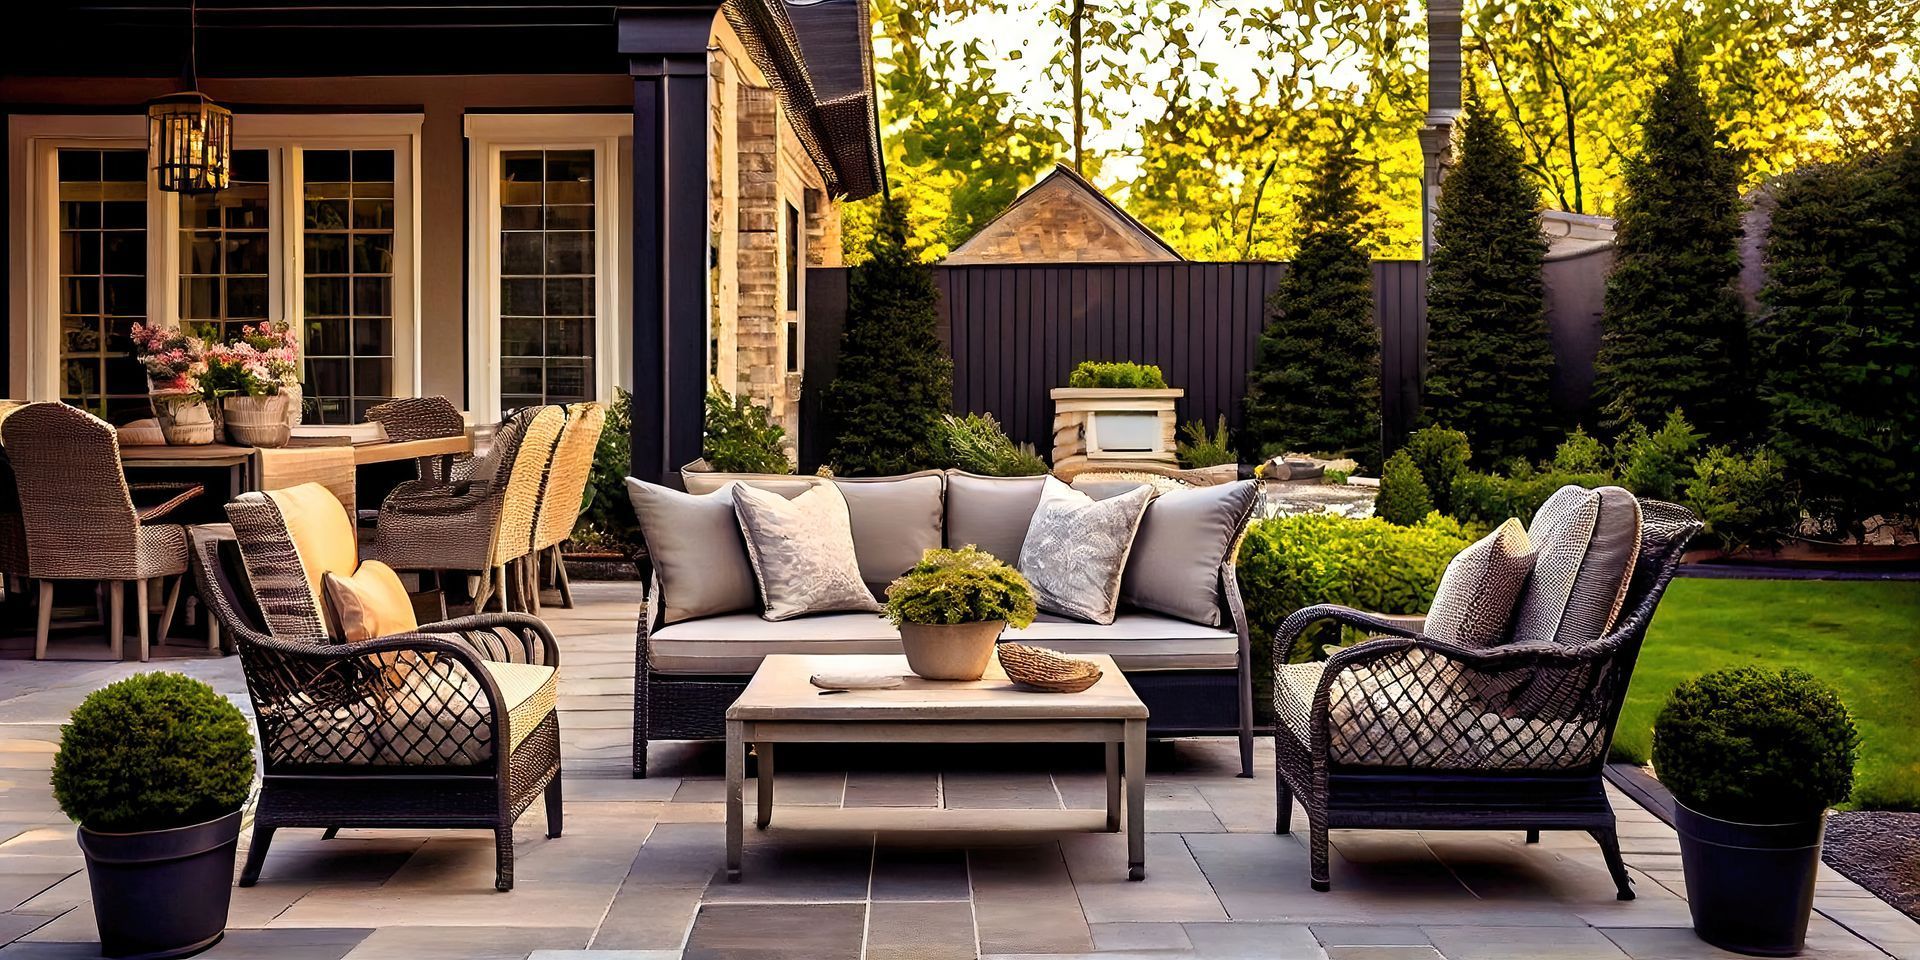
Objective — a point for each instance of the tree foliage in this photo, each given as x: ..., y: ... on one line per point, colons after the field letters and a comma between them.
x: 1315, y: 383
x: 894, y: 380
x: 1674, y: 331
x: 1840, y: 344
x: 1489, y: 364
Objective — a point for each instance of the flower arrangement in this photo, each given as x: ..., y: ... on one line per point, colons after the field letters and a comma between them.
x: 175, y: 360
x: 264, y: 359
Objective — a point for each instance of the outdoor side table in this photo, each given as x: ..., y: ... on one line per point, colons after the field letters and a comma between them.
x: 781, y: 706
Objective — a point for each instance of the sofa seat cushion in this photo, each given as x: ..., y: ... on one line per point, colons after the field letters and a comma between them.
x: 735, y: 643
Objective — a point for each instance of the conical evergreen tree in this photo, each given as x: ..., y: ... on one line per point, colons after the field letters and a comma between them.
x: 1489, y: 363
x: 1315, y: 383
x: 1840, y: 346
x: 894, y: 380
x: 1674, y: 332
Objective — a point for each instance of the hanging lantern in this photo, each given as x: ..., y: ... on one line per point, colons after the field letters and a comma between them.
x: 190, y: 139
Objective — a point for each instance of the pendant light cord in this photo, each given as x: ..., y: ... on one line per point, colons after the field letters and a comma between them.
x: 193, y: 44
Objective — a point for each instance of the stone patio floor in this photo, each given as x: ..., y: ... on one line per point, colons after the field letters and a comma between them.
x: 842, y: 874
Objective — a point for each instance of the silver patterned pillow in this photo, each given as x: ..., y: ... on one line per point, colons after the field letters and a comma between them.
x: 1077, y: 547
x: 802, y: 551
x: 1474, y: 603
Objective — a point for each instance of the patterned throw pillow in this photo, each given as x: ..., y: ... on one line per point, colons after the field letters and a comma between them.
x: 1474, y: 603
x: 1077, y: 547
x: 802, y: 552
x: 1587, y: 542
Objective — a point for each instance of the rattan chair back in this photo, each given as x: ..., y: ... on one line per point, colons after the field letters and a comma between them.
x: 418, y: 418
x: 560, y: 504
x: 78, y: 513
x: 524, y: 483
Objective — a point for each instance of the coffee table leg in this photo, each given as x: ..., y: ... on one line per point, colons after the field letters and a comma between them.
x: 1113, y: 787
x: 1136, y: 758
x: 736, y: 772
x: 763, y: 752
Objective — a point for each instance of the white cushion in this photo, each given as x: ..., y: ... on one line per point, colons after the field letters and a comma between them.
x: 735, y: 643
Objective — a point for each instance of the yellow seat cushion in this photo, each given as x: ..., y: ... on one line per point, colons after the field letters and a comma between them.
x: 529, y: 692
x: 368, y: 603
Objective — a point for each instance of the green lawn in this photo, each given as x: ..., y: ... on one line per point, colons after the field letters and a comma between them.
x: 1861, y: 637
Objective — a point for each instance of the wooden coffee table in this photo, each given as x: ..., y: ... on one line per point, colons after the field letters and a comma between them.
x: 780, y: 706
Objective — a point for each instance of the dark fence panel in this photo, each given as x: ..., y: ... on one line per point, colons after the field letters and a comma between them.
x: 1016, y: 330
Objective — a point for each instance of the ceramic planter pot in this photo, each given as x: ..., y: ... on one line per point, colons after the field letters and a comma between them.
x: 161, y: 893
x: 1749, y: 885
x: 957, y: 651
x: 184, y: 418
x: 257, y: 421
x: 295, y: 398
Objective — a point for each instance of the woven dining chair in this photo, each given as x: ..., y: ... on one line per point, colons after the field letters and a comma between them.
x: 425, y: 418
x: 561, y: 501
x: 451, y: 725
x: 81, y: 522
x: 482, y: 524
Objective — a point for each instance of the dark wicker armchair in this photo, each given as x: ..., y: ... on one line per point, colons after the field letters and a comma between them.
x: 452, y: 726
x: 1407, y: 731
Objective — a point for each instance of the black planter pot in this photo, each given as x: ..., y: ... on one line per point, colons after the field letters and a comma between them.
x: 1749, y: 885
x: 162, y: 893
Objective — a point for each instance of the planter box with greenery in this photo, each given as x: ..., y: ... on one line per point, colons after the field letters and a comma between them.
x: 156, y: 769
x: 951, y: 607
x: 1114, y: 413
x: 1754, y: 759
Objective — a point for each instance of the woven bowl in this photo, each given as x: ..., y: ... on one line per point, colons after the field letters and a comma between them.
x: 1045, y: 669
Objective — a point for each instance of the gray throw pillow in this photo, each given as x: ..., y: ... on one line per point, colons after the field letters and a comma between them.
x: 1077, y: 547
x: 802, y: 552
x: 991, y: 513
x: 1184, y: 538
x: 895, y: 521
x: 1474, y: 602
x: 1586, y: 544
x: 697, y: 552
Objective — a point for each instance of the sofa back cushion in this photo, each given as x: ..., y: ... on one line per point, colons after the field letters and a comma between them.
x: 788, y: 485
x: 895, y: 520
x: 1184, y: 538
x: 696, y: 548
x: 991, y: 513
x: 1585, y: 543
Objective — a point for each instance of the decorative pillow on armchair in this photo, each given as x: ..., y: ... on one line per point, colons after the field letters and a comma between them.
x: 1077, y: 547
x: 370, y: 603
x: 802, y: 552
x: 1475, y: 600
x: 1588, y: 542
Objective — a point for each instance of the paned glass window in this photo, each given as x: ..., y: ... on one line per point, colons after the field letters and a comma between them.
x: 547, y: 277
x: 103, y: 280
x: 224, y: 250
x: 348, y: 281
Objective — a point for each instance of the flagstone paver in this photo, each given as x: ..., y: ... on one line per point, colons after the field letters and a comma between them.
x: 887, y: 853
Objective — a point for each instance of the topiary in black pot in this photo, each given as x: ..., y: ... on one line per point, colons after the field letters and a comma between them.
x: 1754, y: 759
x: 156, y: 769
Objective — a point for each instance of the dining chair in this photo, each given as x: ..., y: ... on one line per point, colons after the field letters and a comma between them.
x: 482, y: 524
x: 425, y: 418
x: 81, y: 522
x: 561, y: 502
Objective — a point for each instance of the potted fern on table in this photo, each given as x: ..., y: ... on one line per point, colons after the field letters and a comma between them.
x: 156, y: 770
x: 951, y: 607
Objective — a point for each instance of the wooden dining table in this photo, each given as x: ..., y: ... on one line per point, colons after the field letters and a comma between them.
x: 330, y: 461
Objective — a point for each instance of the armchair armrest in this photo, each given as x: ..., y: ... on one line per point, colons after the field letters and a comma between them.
x: 481, y: 630
x: 1298, y: 621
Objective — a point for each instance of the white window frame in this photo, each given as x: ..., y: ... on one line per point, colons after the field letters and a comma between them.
x: 32, y: 142
x: 610, y: 137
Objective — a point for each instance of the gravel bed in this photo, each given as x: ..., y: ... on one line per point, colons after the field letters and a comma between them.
x: 1879, y: 851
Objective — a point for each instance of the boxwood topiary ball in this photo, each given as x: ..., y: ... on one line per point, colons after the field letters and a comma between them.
x: 153, y: 752
x: 1756, y: 747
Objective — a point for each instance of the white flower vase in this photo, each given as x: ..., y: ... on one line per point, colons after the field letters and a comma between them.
x: 258, y: 421
x: 185, y: 419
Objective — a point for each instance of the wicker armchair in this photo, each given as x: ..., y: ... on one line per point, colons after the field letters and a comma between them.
x: 452, y: 725
x: 561, y: 501
x: 482, y: 524
x: 425, y: 418
x: 81, y: 522
x: 1409, y: 732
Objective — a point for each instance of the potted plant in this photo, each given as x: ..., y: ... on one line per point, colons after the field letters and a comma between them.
x: 174, y: 361
x: 156, y: 769
x: 1117, y: 415
x: 249, y: 382
x: 1754, y: 759
x: 279, y: 345
x: 951, y: 607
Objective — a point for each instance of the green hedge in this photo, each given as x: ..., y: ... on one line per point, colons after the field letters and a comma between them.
x: 1291, y: 562
x: 1117, y: 375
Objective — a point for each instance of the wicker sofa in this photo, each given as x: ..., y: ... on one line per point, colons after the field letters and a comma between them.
x: 1194, y: 677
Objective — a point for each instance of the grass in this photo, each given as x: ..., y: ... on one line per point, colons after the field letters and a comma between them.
x: 1859, y: 636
